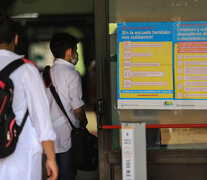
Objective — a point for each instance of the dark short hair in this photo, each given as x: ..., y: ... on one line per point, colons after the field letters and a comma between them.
x: 60, y: 42
x: 7, y: 29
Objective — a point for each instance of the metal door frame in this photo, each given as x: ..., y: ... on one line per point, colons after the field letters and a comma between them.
x: 103, y: 87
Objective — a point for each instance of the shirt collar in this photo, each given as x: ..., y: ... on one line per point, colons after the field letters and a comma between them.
x: 62, y: 61
x: 4, y: 52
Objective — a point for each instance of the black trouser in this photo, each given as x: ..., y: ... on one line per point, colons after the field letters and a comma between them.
x: 64, y: 162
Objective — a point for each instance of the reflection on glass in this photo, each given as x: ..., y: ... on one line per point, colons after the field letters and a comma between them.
x: 156, y: 11
x: 39, y: 52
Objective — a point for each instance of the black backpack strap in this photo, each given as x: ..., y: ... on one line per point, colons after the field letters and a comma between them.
x: 7, y: 71
x: 23, y: 121
x: 12, y: 66
x: 46, y: 77
x: 48, y: 82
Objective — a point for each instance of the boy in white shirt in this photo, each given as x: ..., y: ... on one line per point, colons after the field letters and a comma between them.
x: 37, y: 134
x: 67, y: 83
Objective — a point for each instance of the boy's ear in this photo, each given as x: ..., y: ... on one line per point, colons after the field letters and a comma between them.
x: 68, y: 53
x: 16, y: 38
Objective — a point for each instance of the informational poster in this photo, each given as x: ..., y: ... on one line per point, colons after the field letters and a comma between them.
x: 162, y: 65
x: 190, y: 59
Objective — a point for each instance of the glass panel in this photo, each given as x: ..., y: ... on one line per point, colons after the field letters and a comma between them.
x: 114, y: 110
x: 157, y: 11
x: 183, y: 138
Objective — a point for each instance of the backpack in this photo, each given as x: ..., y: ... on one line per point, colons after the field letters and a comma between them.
x: 9, y: 130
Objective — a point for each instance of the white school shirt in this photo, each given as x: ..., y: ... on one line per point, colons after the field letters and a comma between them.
x: 29, y: 91
x: 67, y: 82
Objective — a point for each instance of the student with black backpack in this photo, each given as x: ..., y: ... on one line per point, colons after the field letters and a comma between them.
x: 25, y: 127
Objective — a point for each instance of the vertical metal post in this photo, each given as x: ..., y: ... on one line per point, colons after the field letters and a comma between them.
x: 103, y: 85
x: 134, y: 159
